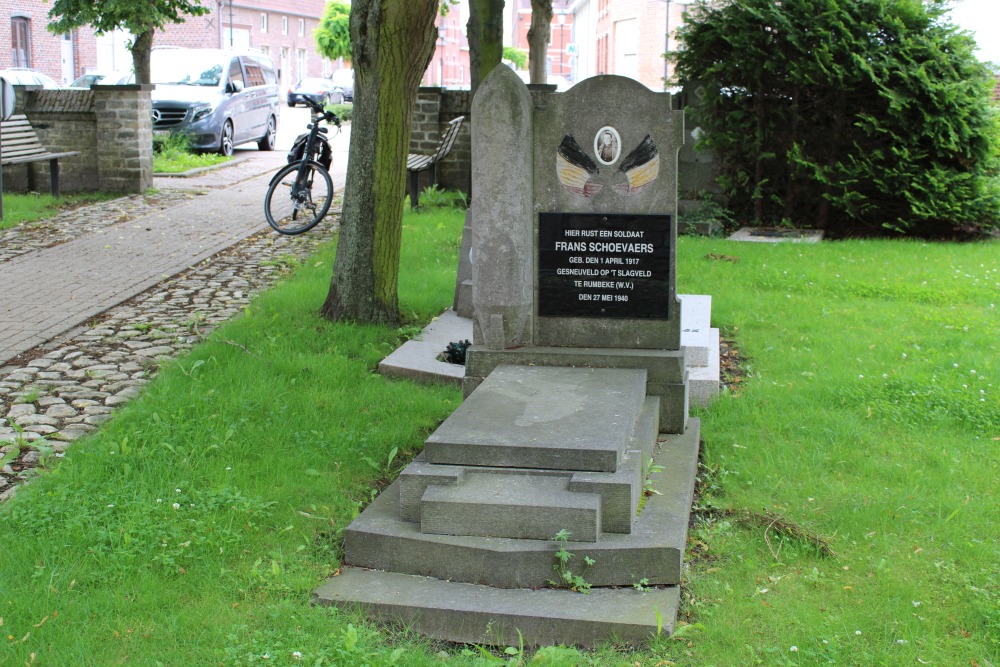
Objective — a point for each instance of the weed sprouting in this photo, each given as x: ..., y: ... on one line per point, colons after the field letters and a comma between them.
x: 567, y: 578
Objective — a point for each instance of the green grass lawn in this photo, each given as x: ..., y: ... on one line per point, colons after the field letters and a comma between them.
x: 21, y: 208
x: 177, y: 162
x: 194, y: 527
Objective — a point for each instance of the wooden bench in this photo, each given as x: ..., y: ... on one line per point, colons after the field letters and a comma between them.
x: 20, y: 145
x: 416, y: 162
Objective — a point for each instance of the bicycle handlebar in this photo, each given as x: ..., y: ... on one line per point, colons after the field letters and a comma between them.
x: 328, y: 116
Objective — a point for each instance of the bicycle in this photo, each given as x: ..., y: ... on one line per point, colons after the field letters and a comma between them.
x: 300, y: 194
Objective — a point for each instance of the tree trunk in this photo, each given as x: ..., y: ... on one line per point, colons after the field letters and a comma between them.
x: 485, y: 33
x: 142, y: 47
x: 539, y: 35
x: 392, y: 43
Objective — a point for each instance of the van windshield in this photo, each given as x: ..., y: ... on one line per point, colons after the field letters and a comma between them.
x: 185, y: 69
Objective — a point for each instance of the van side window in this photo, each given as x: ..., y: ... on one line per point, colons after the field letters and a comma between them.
x: 255, y: 77
x: 266, y: 68
x: 235, y: 71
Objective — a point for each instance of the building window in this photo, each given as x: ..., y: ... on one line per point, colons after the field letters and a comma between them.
x: 301, y: 54
x: 284, y: 25
x: 265, y: 50
x: 263, y: 23
x: 20, y: 29
x: 302, y: 27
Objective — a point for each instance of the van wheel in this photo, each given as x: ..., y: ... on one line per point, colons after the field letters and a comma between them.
x: 267, y: 142
x: 226, y: 144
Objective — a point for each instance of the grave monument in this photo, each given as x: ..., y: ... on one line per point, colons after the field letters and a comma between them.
x: 576, y: 392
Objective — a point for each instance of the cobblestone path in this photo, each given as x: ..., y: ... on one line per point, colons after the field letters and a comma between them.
x: 69, y: 386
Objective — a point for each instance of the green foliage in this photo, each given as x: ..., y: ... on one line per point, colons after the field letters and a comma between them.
x: 172, y: 142
x: 172, y: 154
x: 516, y: 57
x: 344, y: 111
x: 434, y: 197
x: 333, y: 36
x: 707, y: 209
x: 136, y: 16
x: 566, y: 578
x: 860, y: 116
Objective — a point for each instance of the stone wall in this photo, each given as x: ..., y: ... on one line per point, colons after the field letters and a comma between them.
x: 434, y: 109
x: 110, y: 126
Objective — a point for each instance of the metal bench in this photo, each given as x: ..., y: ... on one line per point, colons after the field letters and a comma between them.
x: 416, y: 162
x: 20, y: 145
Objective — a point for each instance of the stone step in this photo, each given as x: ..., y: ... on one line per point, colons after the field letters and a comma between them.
x: 543, y: 417
x: 704, y: 383
x: 619, y: 491
x: 510, y: 505
x: 695, y: 328
x: 417, y: 359
x: 476, y: 614
x: 380, y: 539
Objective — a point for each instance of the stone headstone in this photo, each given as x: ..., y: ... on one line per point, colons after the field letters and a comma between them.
x: 577, y: 366
x: 574, y: 233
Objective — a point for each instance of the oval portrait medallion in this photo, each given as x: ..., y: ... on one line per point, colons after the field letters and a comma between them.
x: 607, y: 145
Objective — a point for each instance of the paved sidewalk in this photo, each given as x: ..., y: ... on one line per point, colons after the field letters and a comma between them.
x: 47, y: 292
x: 50, y: 291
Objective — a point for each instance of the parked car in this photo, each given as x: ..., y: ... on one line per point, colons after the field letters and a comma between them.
x: 220, y: 98
x: 22, y: 76
x: 322, y: 91
x: 344, y: 78
x: 103, y: 79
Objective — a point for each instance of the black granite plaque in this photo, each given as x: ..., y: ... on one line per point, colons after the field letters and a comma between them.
x: 603, y: 265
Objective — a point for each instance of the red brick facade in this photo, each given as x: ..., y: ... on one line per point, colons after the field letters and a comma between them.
x: 282, y: 29
x: 288, y: 37
x: 449, y: 66
x: 631, y: 38
x: 44, y: 51
x: 560, y: 58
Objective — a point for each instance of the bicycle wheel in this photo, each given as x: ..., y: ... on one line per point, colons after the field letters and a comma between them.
x: 296, y: 203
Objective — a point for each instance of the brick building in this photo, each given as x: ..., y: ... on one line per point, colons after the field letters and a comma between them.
x: 560, y: 57
x: 627, y: 37
x: 283, y: 29
x: 24, y: 26
x: 449, y: 67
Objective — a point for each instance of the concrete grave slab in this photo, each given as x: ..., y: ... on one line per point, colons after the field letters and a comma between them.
x: 417, y: 359
x: 695, y: 324
x: 380, y: 539
x: 491, y: 504
x: 704, y: 382
x: 619, y: 491
x: 543, y: 417
x: 577, y: 364
x: 774, y: 235
x: 477, y: 614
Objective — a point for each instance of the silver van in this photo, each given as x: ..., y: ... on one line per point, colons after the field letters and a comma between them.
x: 221, y: 99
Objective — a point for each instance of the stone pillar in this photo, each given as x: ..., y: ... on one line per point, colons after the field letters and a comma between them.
x: 424, y: 125
x: 503, y: 236
x: 124, y: 137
